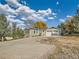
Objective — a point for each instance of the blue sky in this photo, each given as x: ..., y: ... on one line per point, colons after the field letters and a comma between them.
x: 62, y: 8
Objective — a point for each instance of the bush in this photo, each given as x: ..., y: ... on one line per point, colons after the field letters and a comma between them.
x: 18, y: 33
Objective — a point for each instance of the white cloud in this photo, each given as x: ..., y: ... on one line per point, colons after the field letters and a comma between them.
x: 57, y: 2
x: 78, y: 5
x: 24, y: 12
x: 62, y: 20
x: 18, y: 21
x: 5, y: 9
x: 24, y: 2
x: 45, y: 12
x: 68, y: 16
x: 13, y: 3
x: 54, y: 14
x: 50, y: 17
x: 23, y: 18
x: 22, y: 26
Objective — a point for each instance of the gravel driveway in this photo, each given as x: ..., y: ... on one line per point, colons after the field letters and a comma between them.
x: 25, y: 48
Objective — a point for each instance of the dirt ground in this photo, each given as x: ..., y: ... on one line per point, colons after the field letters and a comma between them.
x: 61, y: 47
x: 26, y: 48
x: 67, y: 47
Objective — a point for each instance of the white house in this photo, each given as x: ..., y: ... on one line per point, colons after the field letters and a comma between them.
x: 44, y: 32
x: 52, y: 32
x: 36, y: 32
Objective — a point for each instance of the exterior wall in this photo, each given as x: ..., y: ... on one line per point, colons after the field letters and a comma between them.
x: 45, y: 32
x: 48, y: 34
x: 33, y: 32
x: 55, y: 32
x: 52, y: 32
x: 36, y: 32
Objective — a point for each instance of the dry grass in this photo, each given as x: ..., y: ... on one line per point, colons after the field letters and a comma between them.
x: 67, y: 47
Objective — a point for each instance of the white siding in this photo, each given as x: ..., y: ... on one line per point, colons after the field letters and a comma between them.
x: 48, y: 34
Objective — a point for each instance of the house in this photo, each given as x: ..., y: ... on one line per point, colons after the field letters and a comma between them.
x: 43, y: 32
x: 36, y: 32
x: 52, y: 32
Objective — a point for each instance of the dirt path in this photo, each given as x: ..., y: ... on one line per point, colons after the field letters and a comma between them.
x: 25, y: 49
